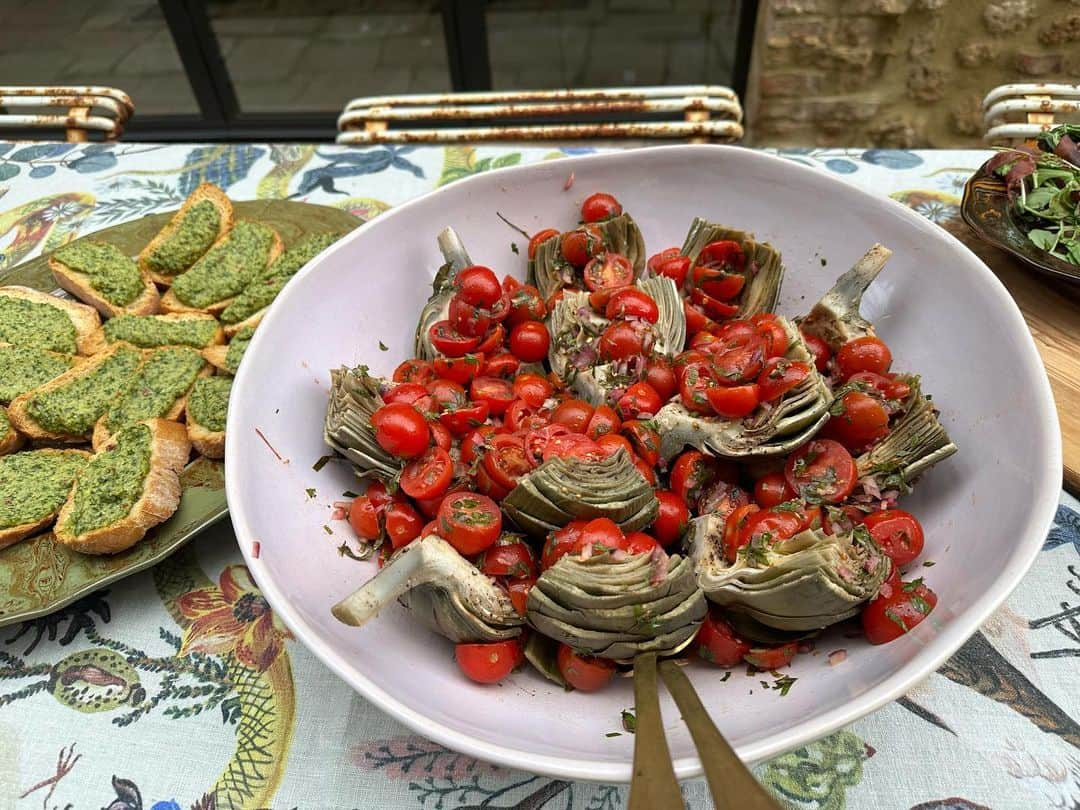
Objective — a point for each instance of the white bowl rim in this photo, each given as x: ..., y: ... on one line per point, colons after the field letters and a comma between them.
x: 1046, y: 485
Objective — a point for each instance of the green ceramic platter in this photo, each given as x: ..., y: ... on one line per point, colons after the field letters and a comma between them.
x: 38, y: 575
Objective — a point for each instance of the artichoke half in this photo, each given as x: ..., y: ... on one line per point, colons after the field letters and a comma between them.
x: 836, y: 318
x: 549, y: 272
x: 576, y: 328
x: 561, y: 490
x: 354, y: 397
x: 768, y: 431
x: 437, y: 307
x: 764, y: 268
x: 618, y: 609
x: 807, y: 582
x: 442, y: 589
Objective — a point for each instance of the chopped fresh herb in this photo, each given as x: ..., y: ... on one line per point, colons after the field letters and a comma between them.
x: 310, y: 492
x: 783, y: 684
x: 789, y: 506
x: 629, y: 721
x: 726, y: 676
x: 350, y: 494
x: 610, y: 733
x: 383, y: 347
x: 344, y: 551
x: 327, y: 529
x: 929, y: 563
x: 921, y: 604
x: 890, y: 614
x: 514, y: 247
x: 824, y: 261
x: 318, y: 465
x: 910, y: 587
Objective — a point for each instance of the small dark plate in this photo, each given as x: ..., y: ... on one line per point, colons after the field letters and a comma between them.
x: 985, y: 208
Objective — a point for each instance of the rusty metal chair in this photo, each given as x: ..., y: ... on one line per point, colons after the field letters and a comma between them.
x: 699, y: 113
x: 75, y: 111
x: 1018, y: 112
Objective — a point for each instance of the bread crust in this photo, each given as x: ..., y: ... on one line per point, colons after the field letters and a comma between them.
x: 253, y: 320
x: 11, y: 536
x: 76, y: 283
x: 84, y: 318
x: 205, y: 191
x: 97, y: 342
x: 10, y: 442
x: 160, y: 497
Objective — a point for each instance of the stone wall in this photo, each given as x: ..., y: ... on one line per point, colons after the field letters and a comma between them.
x: 899, y: 73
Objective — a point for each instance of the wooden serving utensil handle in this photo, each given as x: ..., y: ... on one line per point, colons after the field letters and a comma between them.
x: 653, y: 786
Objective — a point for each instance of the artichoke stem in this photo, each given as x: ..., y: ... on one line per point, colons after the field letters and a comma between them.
x: 453, y: 250
x: 406, y: 570
x: 835, y: 318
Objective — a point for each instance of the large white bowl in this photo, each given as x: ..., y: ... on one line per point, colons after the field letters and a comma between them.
x: 945, y: 315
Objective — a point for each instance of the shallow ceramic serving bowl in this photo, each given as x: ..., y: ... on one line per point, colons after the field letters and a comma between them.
x: 945, y: 315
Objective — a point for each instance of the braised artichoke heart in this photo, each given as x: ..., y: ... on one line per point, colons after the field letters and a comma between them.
x: 807, y: 582
x: 437, y: 307
x: 354, y: 397
x: 618, y: 608
x: 442, y: 590
x: 836, y: 318
x: 764, y: 268
x: 550, y: 272
x: 561, y: 490
x: 768, y: 431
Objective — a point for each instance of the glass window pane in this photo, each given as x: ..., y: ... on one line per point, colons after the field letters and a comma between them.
x: 538, y: 44
x: 118, y: 43
x: 315, y: 55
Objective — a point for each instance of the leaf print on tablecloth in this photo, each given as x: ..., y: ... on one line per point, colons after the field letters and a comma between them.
x: 48, y: 221
x: 222, y: 165
x: 817, y: 776
x: 412, y: 757
x: 937, y: 206
x: 1066, y: 529
x: 461, y: 161
x: 77, y: 614
x: 897, y: 159
x: 288, y: 159
x: 140, y: 196
x: 355, y: 164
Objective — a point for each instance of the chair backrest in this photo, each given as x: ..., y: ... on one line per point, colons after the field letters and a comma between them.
x: 76, y: 111
x: 1017, y: 112
x: 698, y: 113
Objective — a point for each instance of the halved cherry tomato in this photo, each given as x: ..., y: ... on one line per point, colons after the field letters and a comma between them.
x: 770, y: 658
x: 494, y: 341
x: 573, y: 445
x: 529, y: 341
x: 645, y: 440
x: 584, y: 673
x: 486, y: 486
x: 403, y: 523
x: 526, y: 305
x: 447, y: 394
x: 706, y: 342
x: 821, y: 471
x: 379, y: 495
x: 672, y: 518
x: 639, y: 402
x: 460, y: 421
x: 510, y: 557
x: 661, y: 376
x: 767, y: 526
x: 646, y: 470
x: 536, y: 441
x: 724, y: 254
x: 603, y: 421
x: 415, y: 371
x: 533, y: 389
x: 841, y: 519
x: 608, y: 270
x: 741, y: 361
x: 676, y: 267
x: 695, y: 381
x: 772, y: 332
x: 407, y: 393
x: 449, y: 341
x: 611, y: 444
x: 640, y: 543
x: 858, y: 420
x: 489, y: 662
x: 733, y: 527
x: 734, y: 401
x: 579, y: 246
x: 430, y: 528
x: 560, y: 543
x: 718, y: 644
x: 721, y: 498
x: 600, y: 206
x: 503, y: 364
x: 718, y: 284
x: 364, y: 518
x: 779, y: 376
x: 771, y: 490
x: 505, y: 462
x: 713, y: 307
x: 819, y: 348
x: 496, y: 392
x: 518, y: 589
x: 429, y: 507
x: 632, y: 303
x: 863, y: 354
x: 521, y: 416
x: 470, y: 522
x: 691, y: 473
x: 899, y: 534
x: 429, y: 475
x: 475, y: 443
x: 468, y: 320
x: 696, y: 319
x: 477, y: 285
x: 622, y: 340
x: 574, y: 413
x: 400, y: 430
x: 538, y: 238
x: 890, y: 616
x: 599, y: 300
x: 602, y: 534
x: 734, y: 333
x: 890, y: 387
x: 459, y: 369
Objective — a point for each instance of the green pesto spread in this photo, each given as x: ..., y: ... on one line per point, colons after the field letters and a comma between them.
x: 152, y: 331
x: 74, y: 407
x: 227, y: 269
x: 237, y: 346
x: 208, y: 402
x: 23, y: 368
x: 166, y: 376
x: 35, y: 484
x: 108, y: 270
x: 112, y: 482
x: 264, y: 288
x: 42, y: 326
x: 195, y: 232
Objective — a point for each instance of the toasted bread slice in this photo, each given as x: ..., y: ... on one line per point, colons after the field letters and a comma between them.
x: 233, y: 329
x: 155, y: 331
x: 207, y: 406
x: 85, y: 319
x: 158, y: 391
x: 10, y: 439
x: 79, y: 526
x: 94, y: 384
x: 226, y: 359
x: 78, y: 279
x: 23, y: 368
x: 151, y: 263
x: 218, y: 263
x: 36, y: 484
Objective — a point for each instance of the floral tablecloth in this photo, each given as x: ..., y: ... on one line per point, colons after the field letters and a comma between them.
x: 173, y: 689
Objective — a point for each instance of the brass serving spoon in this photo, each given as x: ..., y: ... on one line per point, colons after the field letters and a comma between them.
x: 653, y: 785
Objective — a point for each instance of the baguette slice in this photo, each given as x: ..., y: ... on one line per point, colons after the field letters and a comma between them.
x: 10, y: 439
x: 23, y: 368
x: 85, y: 319
x: 67, y: 463
x: 207, y: 405
x: 158, y: 497
x: 83, y: 375
x: 233, y: 329
x: 80, y: 285
x: 205, y: 191
x: 226, y: 359
x: 157, y: 329
x: 170, y: 302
